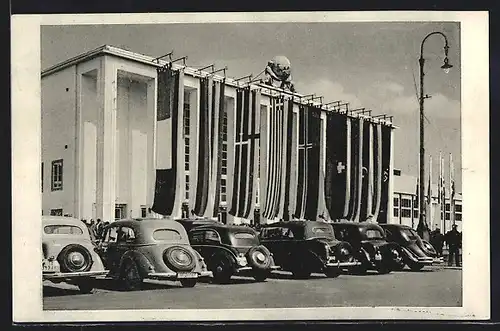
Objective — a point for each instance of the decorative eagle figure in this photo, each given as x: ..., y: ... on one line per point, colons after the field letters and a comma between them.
x: 278, y: 73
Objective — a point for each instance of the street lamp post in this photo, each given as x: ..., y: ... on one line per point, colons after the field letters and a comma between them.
x: 422, y: 223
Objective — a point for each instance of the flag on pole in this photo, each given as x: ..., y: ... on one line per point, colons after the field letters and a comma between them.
x: 385, y: 213
x: 169, y: 185
x: 245, y: 170
x: 204, y: 146
x: 274, y: 151
x: 337, y: 147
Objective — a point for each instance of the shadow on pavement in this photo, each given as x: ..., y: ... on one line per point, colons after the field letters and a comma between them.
x: 52, y: 291
x: 232, y: 281
x: 289, y: 275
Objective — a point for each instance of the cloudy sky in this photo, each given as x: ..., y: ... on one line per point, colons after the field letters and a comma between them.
x: 372, y: 65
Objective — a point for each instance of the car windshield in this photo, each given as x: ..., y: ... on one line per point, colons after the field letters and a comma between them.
x: 373, y: 234
x: 166, y: 235
x: 63, y: 229
x: 409, y: 234
x: 240, y: 239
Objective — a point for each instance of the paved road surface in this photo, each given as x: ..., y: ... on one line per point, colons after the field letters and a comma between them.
x: 431, y: 287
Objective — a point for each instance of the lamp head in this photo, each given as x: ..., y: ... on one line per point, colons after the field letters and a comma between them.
x: 446, y: 66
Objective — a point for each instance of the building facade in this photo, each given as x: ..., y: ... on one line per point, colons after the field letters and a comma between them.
x: 102, y: 145
x: 406, y: 210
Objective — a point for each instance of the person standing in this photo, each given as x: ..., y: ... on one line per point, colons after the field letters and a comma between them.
x: 437, y: 239
x: 453, y: 239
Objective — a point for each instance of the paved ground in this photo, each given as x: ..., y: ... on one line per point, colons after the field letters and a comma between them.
x: 436, y: 286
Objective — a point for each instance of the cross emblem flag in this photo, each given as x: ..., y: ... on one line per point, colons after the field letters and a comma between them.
x: 340, y: 167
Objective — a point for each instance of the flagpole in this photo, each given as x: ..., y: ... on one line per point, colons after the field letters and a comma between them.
x: 429, y: 193
x: 440, y: 191
x: 452, y: 202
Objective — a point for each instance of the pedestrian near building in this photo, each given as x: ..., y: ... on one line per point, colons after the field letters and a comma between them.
x: 453, y: 239
x: 437, y: 239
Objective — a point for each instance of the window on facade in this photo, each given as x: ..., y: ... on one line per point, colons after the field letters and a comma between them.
x: 458, y: 217
x: 458, y: 208
x: 42, y: 176
x: 415, y: 213
x: 406, y: 213
x: 415, y: 202
x: 397, y: 172
x: 447, y: 207
x: 120, y: 211
x: 56, y: 212
x: 396, y: 201
x: 57, y: 175
x: 447, y: 216
x: 396, y: 212
x: 405, y: 202
x: 143, y: 212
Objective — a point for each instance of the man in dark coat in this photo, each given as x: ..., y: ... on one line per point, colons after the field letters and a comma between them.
x: 453, y: 239
x: 437, y: 239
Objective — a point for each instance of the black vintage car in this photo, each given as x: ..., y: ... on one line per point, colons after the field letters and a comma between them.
x: 232, y: 250
x: 370, y: 246
x: 417, y: 252
x: 303, y: 247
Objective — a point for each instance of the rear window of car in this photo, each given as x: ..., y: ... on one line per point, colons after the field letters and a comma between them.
x: 166, y: 234
x: 244, y: 239
x: 374, y: 234
x: 62, y: 229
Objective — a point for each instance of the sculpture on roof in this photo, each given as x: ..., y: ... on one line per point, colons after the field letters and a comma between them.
x: 278, y: 73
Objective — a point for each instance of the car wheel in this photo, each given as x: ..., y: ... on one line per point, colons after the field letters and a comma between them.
x: 332, y: 272
x: 75, y: 258
x: 188, y: 282
x: 382, y: 269
x: 260, y: 276
x: 416, y: 266
x: 85, y: 287
x: 222, y: 270
x: 359, y: 270
x: 301, y: 272
x: 131, y: 278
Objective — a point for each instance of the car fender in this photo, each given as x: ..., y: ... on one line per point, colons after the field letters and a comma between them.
x: 143, y: 264
x: 409, y: 254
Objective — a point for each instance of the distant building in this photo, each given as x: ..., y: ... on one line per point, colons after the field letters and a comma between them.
x: 405, y: 205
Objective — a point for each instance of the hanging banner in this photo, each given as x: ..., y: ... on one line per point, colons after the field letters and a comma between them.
x: 169, y: 185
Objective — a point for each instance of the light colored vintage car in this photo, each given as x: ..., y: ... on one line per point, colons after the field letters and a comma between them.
x: 68, y: 254
x: 155, y: 249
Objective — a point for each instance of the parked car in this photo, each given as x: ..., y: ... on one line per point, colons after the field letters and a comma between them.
x: 304, y: 247
x: 138, y: 249
x: 232, y: 250
x: 371, y: 246
x: 417, y: 252
x: 190, y: 223
x: 68, y: 253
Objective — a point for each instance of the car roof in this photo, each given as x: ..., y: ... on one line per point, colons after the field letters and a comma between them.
x: 362, y: 225
x: 147, y: 222
x: 222, y: 226
x: 294, y: 223
x: 61, y: 220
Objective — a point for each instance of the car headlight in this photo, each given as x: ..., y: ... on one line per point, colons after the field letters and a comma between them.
x: 242, y: 260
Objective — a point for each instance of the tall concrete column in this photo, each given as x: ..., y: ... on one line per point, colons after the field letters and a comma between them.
x: 106, y: 138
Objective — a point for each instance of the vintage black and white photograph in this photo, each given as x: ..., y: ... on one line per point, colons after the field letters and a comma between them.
x: 256, y: 164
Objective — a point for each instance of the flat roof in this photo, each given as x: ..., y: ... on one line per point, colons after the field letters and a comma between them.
x: 148, y: 60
